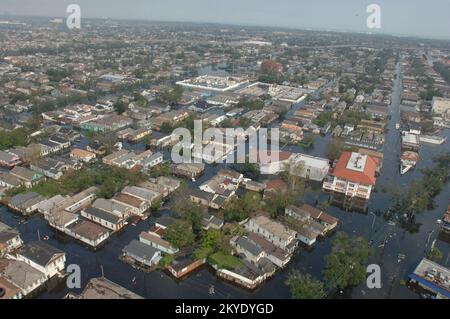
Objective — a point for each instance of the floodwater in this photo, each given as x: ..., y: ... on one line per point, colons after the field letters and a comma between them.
x: 398, y: 242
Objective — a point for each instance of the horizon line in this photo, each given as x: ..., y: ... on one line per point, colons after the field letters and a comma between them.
x: 252, y: 25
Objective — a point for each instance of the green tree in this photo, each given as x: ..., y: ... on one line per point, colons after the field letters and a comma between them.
x: 346, y: 264
x: 120, y: 106
x: 180, y: 234
x: 276, y: 203
x: 240, y: 208
x: 140, y: 100
x: 334, y: 148
x: 304, y: 286
x: 18, y: 137
x: 166, y: 128
x: 193, y: 213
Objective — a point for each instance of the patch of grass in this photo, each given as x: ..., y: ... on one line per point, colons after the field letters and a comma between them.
x: 225, y: 261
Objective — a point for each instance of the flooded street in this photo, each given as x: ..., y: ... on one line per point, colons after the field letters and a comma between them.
x: 397, y: 242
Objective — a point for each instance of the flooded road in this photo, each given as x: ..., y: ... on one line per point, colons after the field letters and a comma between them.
x: 394, y: 267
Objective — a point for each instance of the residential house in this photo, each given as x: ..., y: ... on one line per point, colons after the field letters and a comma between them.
x: 96, y: 148
x: 142, y: 253
x: 21, y: 275
x: 211, y: 222
x: 43, y: 257
x: 108, y: 123
x: 137, y: 206
x: 164, y: 222
x: 275, y: 186
x: 46, y: 206
x: 9, y: 159
x: 184, y: 263
x: 9, y: 239
x: 189, y: 170
x: 155, y: 188
x: 9, y: 181
x: 273, y: 231
x: 171, y: 183
x: 102, y: 288
x: 82, y: 155
x: 274, y: 253
x: 152, y: 160
x: 306, y: 211
x: 157, y: 243
x: 26, y: 176
x: 25, y: 203
x: 112, y: 207
x: 103, y: 218
x: 87, y: 232
x: 248, y: 248
x: 54, y: 167
x: 141, y: 193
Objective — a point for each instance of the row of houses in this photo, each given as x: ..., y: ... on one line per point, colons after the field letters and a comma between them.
x: 130, y: 160
x: 20, y: 176
x: 270, y: 244
x: 152, y: 244
x: 218, y: 190
x: 28, y: 267
x: 148, y: 249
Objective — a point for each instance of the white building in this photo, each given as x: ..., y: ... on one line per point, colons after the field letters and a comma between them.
x: 312, y: 168
x: 276, y: 233
x: 45, y: 258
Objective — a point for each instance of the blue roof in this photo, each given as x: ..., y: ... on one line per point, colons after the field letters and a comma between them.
x: 431, y: 285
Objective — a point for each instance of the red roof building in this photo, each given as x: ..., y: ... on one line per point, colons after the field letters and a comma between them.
x: 353, y: 175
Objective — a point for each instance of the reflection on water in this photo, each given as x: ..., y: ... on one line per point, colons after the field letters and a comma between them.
x: 349, y: 204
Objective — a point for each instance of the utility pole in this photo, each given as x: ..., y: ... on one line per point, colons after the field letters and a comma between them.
x: 374, y: 217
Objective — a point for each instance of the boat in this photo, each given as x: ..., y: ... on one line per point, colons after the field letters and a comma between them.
x: 408, y: 160
x: 432, y: 139
x: 397, y: 126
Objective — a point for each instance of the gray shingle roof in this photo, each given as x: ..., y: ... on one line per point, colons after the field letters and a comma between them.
x: 141, y: 250
x: 101, y: 214
x: 40, y: 252
x: 248, y: 245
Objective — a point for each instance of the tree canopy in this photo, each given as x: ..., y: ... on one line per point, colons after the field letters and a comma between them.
x: 304, y: 286
x: 346, y: 264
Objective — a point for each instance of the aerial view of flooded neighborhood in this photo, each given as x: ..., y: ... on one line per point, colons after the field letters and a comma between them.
x: 147, y: 159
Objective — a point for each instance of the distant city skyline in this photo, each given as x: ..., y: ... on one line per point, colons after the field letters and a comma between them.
x: 418, y: 18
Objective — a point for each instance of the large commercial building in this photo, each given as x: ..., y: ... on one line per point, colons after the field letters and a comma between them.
x: 353, y: 175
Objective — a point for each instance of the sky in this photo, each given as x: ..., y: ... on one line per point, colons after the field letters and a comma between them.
x: 423, y: 18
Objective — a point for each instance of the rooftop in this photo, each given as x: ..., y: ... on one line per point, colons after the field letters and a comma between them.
x: 102, y: 288
x: 40, y: 252
x: 356, y: 168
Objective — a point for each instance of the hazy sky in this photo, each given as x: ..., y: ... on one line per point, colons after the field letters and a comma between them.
x: 429, y: 18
